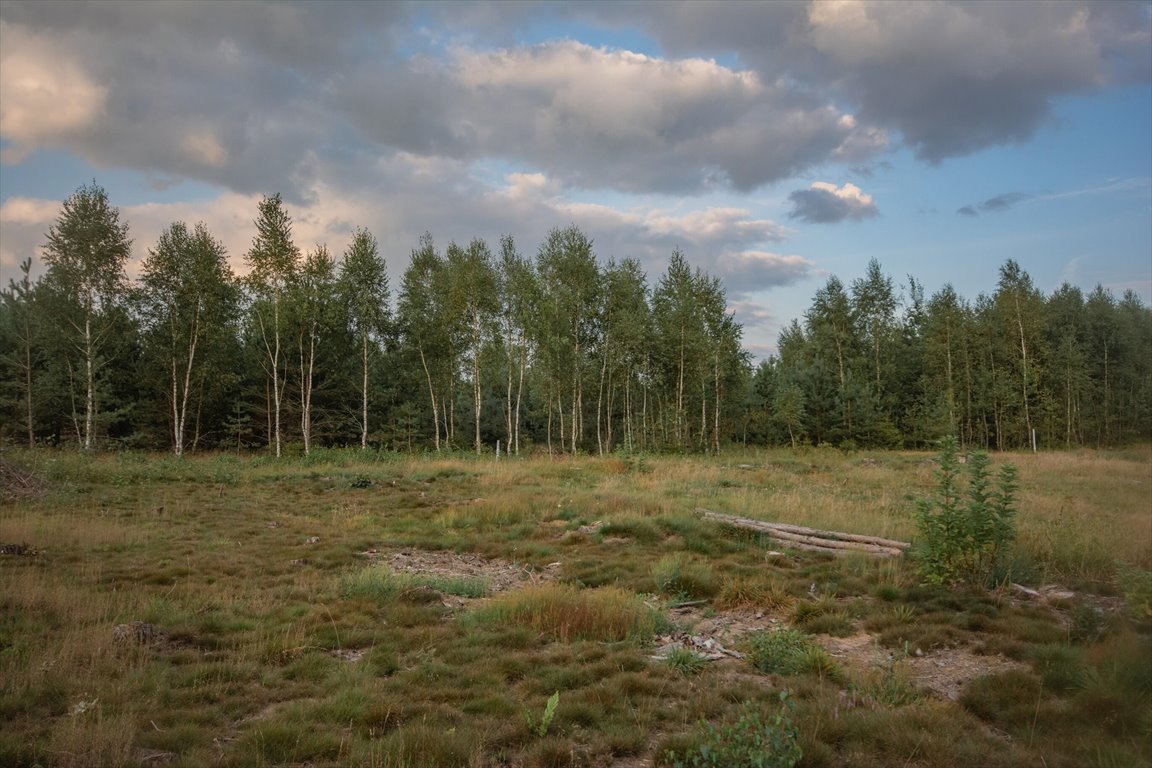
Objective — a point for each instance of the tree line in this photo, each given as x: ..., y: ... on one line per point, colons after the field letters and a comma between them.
x: 558, y: 351
x: 554, y: 351
x: 871, y: 367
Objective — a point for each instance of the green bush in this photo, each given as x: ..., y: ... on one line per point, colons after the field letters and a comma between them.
x: 965, y: 539
x: 755, y: 741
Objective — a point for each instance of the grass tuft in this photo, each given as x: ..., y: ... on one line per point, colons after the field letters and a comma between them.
x: 604, y: 614
x: 381, y: 584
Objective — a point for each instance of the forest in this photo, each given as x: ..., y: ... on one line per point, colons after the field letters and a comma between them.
x: 484, y: 348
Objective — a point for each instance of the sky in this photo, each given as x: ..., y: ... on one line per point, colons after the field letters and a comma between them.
x: 775, y: 144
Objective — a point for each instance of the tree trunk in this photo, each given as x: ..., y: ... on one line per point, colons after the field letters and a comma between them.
x: 432, y: 397
x: 90, y: 381
x: 364, y: 394
x: 519, y: 394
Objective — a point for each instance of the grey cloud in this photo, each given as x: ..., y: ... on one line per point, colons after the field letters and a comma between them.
x: 826, y: 204
x: 950, y: 77
x: 248, y: 96
x: 999, y: 203
x: 747, y: 272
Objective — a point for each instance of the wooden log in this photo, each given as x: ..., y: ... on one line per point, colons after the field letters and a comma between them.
x: 817, y: 541
x: 799, y: 529
x: 801, y: 537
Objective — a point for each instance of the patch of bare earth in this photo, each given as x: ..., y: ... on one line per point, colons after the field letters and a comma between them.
x: 499, y: 575
x: 944, y: 672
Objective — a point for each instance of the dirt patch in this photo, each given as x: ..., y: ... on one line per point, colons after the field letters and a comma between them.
x: 948, y: 671
x: 944, y: 672
x: 500, y: 575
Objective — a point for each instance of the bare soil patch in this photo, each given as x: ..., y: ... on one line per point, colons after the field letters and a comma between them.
x: 500, y: 575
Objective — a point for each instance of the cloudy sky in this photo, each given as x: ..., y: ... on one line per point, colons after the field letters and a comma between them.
x: 773, y: 143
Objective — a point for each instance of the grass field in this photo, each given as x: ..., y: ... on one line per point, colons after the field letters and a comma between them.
x: 351, y: 610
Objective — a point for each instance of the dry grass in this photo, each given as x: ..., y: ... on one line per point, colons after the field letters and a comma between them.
x: 605, y: 614
x: 274, y: 656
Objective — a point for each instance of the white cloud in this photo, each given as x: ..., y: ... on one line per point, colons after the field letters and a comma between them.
x: 48, y: 95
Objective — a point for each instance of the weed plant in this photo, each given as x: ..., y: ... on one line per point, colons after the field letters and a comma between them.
x: 755, y: 740
x: 964, y: 542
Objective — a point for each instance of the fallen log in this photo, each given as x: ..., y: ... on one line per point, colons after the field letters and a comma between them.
x: 813, y: 539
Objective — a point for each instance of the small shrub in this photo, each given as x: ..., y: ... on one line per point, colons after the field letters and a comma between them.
x: 890, y: 686
x: 1086, y: 624
x: 756, y: 740
x: 814, y: 660
x: 964, y: 542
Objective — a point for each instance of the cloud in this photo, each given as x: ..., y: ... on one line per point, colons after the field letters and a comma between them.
x: 596, y: 118
x: 48, y: 94
x: 825, y: 203
x: 997, y: 204
x: 746, y: 272
x: 400, y: 196
x: 950, y: 78
x: 248, y: 95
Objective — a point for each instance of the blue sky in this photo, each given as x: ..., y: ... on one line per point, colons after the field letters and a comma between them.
x: 775, y: 144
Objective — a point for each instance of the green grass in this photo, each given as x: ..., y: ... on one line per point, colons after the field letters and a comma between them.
x: 284, y: 647
x: 381, y: 584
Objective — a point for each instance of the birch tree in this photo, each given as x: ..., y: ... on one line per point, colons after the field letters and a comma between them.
x: 518, y: 296
x: 188, y: 298
x: 86, y: 251
x: 273, y: 261
x: 363, y: 289
x: 473, y: 298
x: 313, y: 293
x: 420, y: 316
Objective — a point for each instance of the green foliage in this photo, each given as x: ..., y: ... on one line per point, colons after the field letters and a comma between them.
x: 756, y: 740
x: 964, y: 540
x: 789, y: 652
x: 540, y: 727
